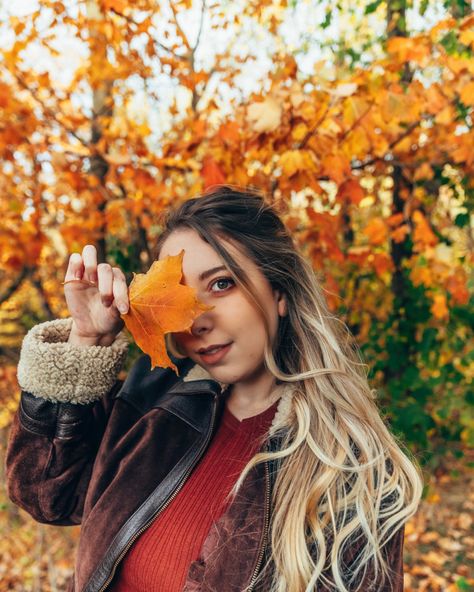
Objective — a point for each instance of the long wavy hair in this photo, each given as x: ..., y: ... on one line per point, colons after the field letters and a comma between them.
x: 342, y: 475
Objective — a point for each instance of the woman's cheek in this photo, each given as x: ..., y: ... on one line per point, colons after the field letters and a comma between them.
x: 181, y: 342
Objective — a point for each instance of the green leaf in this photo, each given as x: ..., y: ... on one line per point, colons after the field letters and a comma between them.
x: 327, y: 21
x: 462, y: 220
x: 469, y: 397
x: 372, y: 7
x: 428, y: 340
x: 463, y: 584
x: 423, y: 6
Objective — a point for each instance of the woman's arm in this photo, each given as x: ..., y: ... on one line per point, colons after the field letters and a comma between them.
x: 66, y: 399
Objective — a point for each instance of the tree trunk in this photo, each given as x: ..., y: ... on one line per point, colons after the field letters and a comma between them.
x: 399, y: 251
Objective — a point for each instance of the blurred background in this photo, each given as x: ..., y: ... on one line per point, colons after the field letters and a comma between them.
x: 354, y: 117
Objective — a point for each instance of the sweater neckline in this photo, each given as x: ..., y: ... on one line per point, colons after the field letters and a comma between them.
x: 255, y: 423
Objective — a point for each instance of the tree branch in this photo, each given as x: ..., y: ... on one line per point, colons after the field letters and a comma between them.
x: 200, y: 27
x: 48, y: 111
x: 13, y: 287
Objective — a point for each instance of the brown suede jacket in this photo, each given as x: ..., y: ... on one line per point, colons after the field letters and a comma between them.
x: 86, y: 448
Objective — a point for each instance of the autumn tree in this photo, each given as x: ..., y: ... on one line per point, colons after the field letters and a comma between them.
x: 368, y: 158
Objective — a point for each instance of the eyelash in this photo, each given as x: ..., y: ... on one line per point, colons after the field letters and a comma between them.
x: 225, y: 279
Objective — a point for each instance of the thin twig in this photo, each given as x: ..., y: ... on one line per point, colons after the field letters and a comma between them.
x: 200, y: 26
x: 178, y: 26
x: 48, y: 111
x: 130, y: 21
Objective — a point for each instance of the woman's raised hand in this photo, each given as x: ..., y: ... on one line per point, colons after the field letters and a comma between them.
x: 95, y: 296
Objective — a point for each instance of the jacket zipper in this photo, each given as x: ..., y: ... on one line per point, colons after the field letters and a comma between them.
x: 265, y: 531
x: 168, y: 501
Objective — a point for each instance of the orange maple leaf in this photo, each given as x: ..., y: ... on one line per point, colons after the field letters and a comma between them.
x: 376, y: 231
x: 116, y: 5
x: 211, y: 172
x: 160, y: 304
x: 422, y: 234
x: 467, y: 94
x: 439, y: 307
x: 351, y: 190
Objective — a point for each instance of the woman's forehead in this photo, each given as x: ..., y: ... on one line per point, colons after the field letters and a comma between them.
x: 197, y: 251
x: 200, y: 256
x: 189, y: 240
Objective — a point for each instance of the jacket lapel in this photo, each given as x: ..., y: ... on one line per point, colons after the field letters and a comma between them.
x: 140, y: 390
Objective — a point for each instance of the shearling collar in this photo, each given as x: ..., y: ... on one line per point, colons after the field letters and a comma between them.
x: 197, y: 372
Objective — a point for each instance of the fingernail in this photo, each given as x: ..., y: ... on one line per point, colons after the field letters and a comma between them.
x: 123, y: 308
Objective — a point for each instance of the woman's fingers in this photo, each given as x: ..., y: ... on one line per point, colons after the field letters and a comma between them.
x: 120, y: 290
x: 106, y: 280
x: 111, y: 282
x: 89, y: 257
x: 75, y: 268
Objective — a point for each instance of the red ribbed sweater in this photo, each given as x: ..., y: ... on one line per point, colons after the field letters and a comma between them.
x: 159, y: 559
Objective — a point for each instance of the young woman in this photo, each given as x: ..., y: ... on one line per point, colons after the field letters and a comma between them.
x: 265, y: 466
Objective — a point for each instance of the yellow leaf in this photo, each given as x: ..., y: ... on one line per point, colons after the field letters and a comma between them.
x: 265, y: 116
x: 467, y: 94
x: 445, y: 116
x: 353, y: 109
x: 299, y: 132
x: 293, y: 161
x: 439, y: 308
x: 467, y: 38
x: 357, y: 144
x: 376, y: 231
x: 423, y: 172
x: 422, y: 232
x: 421, y: 276
x: 409, y: 49
x: 344, y: 90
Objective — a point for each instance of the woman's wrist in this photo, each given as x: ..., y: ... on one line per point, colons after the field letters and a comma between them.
x: 76, y: 338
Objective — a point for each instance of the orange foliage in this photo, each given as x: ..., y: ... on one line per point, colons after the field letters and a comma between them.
x: 333, y: 142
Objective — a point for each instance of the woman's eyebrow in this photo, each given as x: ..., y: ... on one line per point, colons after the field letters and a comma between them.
x: 209, y: 272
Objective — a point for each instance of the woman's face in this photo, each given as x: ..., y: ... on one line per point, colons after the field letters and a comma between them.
x: 234, y: 322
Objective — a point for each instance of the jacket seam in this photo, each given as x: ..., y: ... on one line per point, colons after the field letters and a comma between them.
x: 181, y: 416
x: 63, y: 430
x: 41, y: 494
x: 40, y: 428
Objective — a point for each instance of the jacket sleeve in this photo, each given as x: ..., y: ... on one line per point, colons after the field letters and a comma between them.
x: 66, y: 398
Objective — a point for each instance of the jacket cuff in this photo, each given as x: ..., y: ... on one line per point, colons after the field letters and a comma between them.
x: 60, y: 372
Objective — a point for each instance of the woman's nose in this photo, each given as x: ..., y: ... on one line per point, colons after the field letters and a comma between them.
x: 201, y: 325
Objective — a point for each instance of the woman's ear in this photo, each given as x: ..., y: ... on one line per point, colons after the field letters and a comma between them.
x: 281, y: 303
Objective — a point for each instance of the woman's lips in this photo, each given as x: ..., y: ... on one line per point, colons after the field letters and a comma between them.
x: 216, y: 356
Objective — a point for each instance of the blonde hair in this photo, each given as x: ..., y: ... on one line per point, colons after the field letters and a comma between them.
x: 343, y: 478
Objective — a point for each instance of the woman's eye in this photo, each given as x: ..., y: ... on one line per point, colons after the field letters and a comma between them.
x: 222, y: 284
